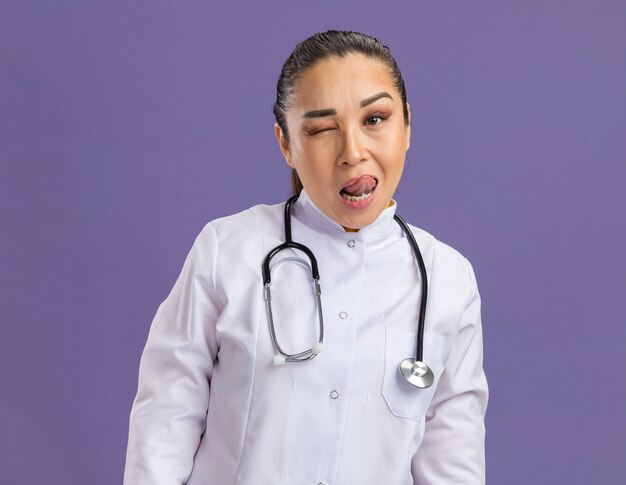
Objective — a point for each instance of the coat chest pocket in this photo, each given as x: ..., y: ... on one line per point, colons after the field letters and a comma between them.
x: 403, y: 399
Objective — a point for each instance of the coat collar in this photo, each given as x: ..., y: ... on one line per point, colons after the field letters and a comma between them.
x: 308, y: 213
x: 384, y: 226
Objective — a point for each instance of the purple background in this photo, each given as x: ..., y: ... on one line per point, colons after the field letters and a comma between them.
x: 126, y: 126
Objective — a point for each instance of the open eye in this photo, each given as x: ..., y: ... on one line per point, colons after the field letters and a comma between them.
x: 374, y: 120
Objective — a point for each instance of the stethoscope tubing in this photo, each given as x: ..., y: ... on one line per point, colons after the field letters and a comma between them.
x: 290, y: 243
x: 423, y: 299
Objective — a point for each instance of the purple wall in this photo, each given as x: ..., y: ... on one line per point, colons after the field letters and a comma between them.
x: 126, y: 126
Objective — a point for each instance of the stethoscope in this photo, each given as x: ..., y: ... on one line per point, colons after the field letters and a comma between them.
x: 414, y: 370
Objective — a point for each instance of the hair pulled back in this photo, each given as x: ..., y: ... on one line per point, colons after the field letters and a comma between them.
x: 321, y: 46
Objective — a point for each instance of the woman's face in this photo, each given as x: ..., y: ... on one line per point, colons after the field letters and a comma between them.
x: 347, y: 137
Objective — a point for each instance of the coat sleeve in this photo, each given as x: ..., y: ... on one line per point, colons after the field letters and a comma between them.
x: 453, y: 448
x: 168, y: 415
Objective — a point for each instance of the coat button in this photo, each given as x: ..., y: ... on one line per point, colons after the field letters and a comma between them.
x: 334, y: 394
x: 351, y: 243
x: 343, y: 315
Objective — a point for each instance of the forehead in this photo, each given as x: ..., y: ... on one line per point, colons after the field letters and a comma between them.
x: 337, y: 81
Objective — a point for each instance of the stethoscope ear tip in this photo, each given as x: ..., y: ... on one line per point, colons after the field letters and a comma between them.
x: 318, y: 348
x: 279, y: 360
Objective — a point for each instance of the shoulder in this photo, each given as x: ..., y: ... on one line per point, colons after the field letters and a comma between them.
x: 446, y: 263
x: 443, y: 251
x: 232, y: 243
x: 243, y: 225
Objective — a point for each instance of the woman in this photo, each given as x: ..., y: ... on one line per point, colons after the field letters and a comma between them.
x: 214, y: 404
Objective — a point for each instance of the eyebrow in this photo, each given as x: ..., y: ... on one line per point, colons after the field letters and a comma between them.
x: 319, y: 113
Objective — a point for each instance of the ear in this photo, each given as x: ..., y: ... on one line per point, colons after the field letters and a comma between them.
x: 408, y: 127
x: 283, y: 144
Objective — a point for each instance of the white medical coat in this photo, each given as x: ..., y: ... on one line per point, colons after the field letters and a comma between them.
x: 211, y: 408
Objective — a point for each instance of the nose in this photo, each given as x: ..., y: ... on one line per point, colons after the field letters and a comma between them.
x: 354, y: 150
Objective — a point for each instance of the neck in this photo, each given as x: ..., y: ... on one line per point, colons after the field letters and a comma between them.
x: 349, y: 229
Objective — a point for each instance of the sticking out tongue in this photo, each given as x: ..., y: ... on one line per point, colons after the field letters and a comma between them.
x: 364, y: 184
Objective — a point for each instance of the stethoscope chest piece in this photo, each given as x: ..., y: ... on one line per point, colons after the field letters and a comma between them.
x: 416, y: 373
